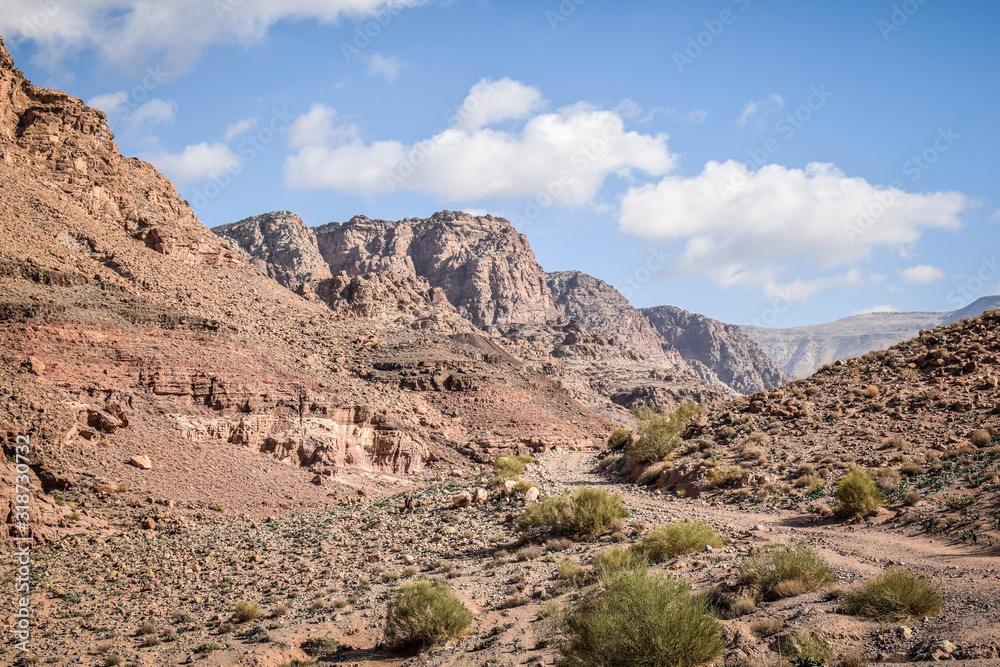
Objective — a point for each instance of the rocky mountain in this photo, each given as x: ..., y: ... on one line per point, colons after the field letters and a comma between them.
x: 132, y: 333
x: 281, y: 245
x: 720, y: 354
x: 802, y: 350
x: 724, y: 349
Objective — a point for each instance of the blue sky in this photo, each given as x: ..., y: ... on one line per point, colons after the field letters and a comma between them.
x: 780, y: 163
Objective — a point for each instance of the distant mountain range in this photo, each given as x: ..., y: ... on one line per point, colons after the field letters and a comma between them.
x: 801, y: 350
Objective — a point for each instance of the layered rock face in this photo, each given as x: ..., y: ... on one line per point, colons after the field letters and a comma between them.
x: 486, y: 269
x: 732, y: 356
x: 281, y: 245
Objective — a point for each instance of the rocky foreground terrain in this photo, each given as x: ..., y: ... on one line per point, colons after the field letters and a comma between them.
x: 240, y: 448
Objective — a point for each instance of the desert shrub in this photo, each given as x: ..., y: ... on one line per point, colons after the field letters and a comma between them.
x: 113, y: 660
x: 766, y: 627
x: 785, y: 570
x: 583, y: 514
x: 894, y: 595
x: 558, y: 544
x: 246, y: 611
x: 806, y: 648
x: 678, y: 538
x: 728, y: 604
x: 872, y: 391
x: 911, y: 469
x: 610, y: 461
x: 530, y: 552
x: 508, y: 467
x: 571, y: 574
x: 618, y: 559
x: 659, y: 432
x: 886, y: 478
x: 724, y: 476
x: 652, y: 472
x: 425, y: 614
x: 147, y: 628
x: 912, y: 497
x: 981, y: 437
x: 857, y: 493
x: 619, y: 438
x: 640, y: 619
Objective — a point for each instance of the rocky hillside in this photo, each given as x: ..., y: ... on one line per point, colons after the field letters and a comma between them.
x: 720, y: 354
x: 142, y: 352
x: 281, y: 245
x: 801, y: 350
x: 724, y: 349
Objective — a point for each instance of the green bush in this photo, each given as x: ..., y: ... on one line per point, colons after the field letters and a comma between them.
x: 678, y: 538
x: 619, y: 438
x: 320, y: 647
x: 857, y: 494
x: 894, y: 595
x: 583, y: 514
x: 640, y: 619
x: 617, y: 559
x: 785, y: 570
x: 508, y: 467
x: 425, y: 614
x: 659, y: 432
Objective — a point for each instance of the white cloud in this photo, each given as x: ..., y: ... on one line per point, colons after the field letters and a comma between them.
x: 568, y: 153
x: 319, y: 127
x: 921, y: 274
x: 773, y: 103
x: 996, y: 216
x: 196, y: 163
x: 490, y: 102
x: 153, y: 112
x: 379, y: 65
x: 239, y: 127
x: 135, y: 33
x: 736, y: 223
x: 108, y: 102
x: 876, y: 309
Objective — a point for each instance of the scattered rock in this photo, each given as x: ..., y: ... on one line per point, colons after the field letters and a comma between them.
x: 142, y: 462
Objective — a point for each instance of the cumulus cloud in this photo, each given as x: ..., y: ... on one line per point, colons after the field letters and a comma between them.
x: 735, y: 223
x: 921, y: 274
x: 773, y: 103
x: 239, y: 127
x: 197, y: 162
x: 134, y: 33
x: 385, y: 66
x: 567, y: 154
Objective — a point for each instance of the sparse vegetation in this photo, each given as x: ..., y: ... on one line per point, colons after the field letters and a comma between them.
x: 857, y: 494
x: 640, y: 619
x: 424, y: 614
x: 619, y: 438
x: 508, y: 467
x: 659, y: 432
x: 320, y: 647
x: 981, y: 438
x: 617, y: 559
x: 785, y: 570
x: 894, y: 595
x: 678, y: 538
x: 246, y: 611
x: 583, y: 514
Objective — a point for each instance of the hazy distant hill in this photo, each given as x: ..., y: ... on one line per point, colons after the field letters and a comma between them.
x: 801, y: 350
